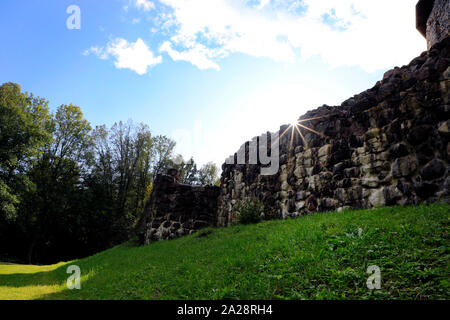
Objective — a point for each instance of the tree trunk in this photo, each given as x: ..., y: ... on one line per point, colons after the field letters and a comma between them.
x: 31, y: 248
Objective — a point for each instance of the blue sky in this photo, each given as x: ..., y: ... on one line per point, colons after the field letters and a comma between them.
x: 209, y: 73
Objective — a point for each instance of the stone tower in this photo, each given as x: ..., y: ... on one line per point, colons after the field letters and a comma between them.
x: 432, y: 20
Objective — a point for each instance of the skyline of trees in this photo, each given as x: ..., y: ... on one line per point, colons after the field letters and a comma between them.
x: 68, y: 190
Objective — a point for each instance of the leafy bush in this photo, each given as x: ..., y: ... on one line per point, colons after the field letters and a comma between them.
x: 249, y: 212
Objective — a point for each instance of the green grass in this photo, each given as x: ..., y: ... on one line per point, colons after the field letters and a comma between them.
x: 321, y: 256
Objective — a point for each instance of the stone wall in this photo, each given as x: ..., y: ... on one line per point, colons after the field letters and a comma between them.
x: 174, y: 209
x: 388, y: 145
x: 438, y: 23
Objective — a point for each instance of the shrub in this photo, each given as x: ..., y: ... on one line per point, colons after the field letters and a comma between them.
x: 249, y: 212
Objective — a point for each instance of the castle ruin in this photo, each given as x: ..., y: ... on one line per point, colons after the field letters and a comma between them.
x: 389, y: 145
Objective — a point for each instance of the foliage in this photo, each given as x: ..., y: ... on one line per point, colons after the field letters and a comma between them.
x: 48, y: 207
x: 162, y: 154
x: 249, y: 212
x: 24, y: 129
x: 67, y: 191
x: 71, y: 136
x: 187, y: 170
x: 321, y: 256
x: 189, y: 174
x: 8, y: 201
x: 208, y: 174
x: 123, y: 164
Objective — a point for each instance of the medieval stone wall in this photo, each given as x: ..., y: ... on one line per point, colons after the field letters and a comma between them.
x: 388, y: 145
x: 438, y: 23
x: 174, y: 210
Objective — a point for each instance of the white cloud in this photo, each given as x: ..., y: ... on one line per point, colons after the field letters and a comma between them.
x: 262, y: 4
x: 146, y: 5
x: 98, y: 51
x: 135, y: 56
x: 373, y: 35
x: 197, y: 55
x: 366, y: 33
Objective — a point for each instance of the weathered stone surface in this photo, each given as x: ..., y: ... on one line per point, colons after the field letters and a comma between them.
x: 174, y: 209
x: 426, y: 190
x: 370, y: 182
x: 391, y: 195
x: 376, y: 198
x: 301, y: 195
x: 424, y: 153
x: 444, y: 128
x: 324, y: 151
x: 438, y: 25
x: 433, y: 170
x: 404, y: 167
x: 419, y: 134
x: 328, y: 204
x: 398, y: 150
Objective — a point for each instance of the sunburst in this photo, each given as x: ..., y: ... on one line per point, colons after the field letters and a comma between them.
x: 297, y: 125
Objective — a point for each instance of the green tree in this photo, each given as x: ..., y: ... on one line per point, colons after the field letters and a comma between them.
x: 24, y: 129
x: 163, y: 148
x: 124, y: 156
x: 57, y: 177
x: 66, y: 190
x: 46, y: 207
x: 143, y: 177
x: 71, y: 137
x: 187, y: 171
x: 208, y: 174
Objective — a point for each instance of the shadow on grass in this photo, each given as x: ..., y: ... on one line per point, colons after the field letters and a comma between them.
x: 404, y: 241
x: 30, y: 282
x: 44, y: 285
x: 36, y: 278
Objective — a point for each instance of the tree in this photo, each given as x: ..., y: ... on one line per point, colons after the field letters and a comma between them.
x: 187, y: 171
x: 208, y: 174
x: 189, y: 174
x: 143, y: 184
x: 57, y: 177
x: 71, y: 137
x: 24, y: 128
x: 162, y: 154
x: 46, y: 207
x: 104, y: 170
x: 66, y: 190
x: 123, y: 162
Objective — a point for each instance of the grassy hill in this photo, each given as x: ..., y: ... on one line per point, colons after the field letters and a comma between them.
x: 322, y: 256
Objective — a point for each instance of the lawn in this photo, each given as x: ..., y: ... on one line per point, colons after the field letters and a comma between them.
x: 320, y: 256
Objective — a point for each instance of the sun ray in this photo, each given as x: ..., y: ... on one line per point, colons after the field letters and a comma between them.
x: 280, y: 136
x: 312, y: 130
x: 292, y: 136
x: 296, y: 125
x: 301, y: 135
x: 284, y: 132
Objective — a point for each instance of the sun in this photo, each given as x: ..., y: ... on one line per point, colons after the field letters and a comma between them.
x: 297, y: 125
